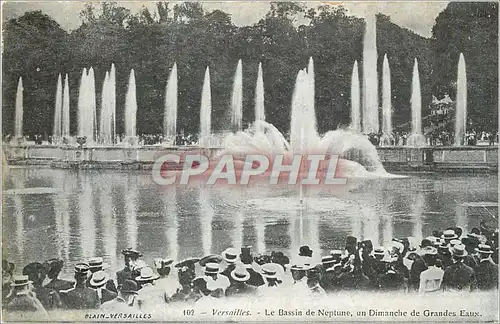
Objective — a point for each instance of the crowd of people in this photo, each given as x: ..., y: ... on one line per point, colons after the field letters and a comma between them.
x: 448, y: 260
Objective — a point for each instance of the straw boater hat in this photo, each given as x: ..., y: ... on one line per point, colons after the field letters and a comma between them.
x: 81, y: 268
x: 398, y: 245
x: 212, y: 258
x: 97, y: 262
x: 147, y: 274
x: 428, y: 250
x: 449, y: 235
x: 455, y: 242
x: 99, y: 279
x: 132, y: 252
x: 484, y: 248
x: 378, y: 251
x: 240, y: 274
x: 458, y: 250
x: 20, y: 281
x: 230, y: 255
x: 269, y: 270
x: 212, y: 268
x: 328, y: 260
x: 189, y: 262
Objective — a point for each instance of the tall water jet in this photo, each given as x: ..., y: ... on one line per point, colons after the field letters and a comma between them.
x: 461, y: 103
x: 370, y: 77
x: 303, y: 134
x: 387, y: 138
x: 82, y: 103
x: 57, y: 131
x: 205, y: 111
x: 416, y: 138
x: 170, y: 114
x: 355, y: 99
x: 312, y: 95
x: 65, y: 109
x: 18, y: 126
x: 131, y: 110
x: 105, y: 124
x: 92, y: 105
x: 259, y: 99
x: 112, y: 101
x: 237, y: 99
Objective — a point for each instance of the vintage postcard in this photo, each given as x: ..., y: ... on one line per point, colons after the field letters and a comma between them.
x: 249, y: 161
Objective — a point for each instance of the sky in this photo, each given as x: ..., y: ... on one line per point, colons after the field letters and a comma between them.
x: 418, y: 16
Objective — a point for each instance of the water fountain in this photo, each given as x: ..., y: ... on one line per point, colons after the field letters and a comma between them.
x: 237, y: 99
x: 18, y: 127
x: 416, y: 139
x: 205, y: 111
x: 57, y: 131
x: 65, y: 110
x: 131, y: 111
x: 355, y: 100
x: 104, y: 124
x: 386, y: 139
x: 92, y: 105
x: 170, y: 114
x: 461, y: 103
x: 370, y: 77
x: 259, y: 97
x: 83, y: 116
x: 112, y: 102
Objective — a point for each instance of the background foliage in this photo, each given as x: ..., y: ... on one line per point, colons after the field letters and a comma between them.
x: 38, y: 49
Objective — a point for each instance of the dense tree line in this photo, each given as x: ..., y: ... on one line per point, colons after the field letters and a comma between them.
x: 38, y: 49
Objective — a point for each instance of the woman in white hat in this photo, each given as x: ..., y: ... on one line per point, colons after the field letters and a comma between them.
x: 272, y: 284
x: 212, y: 270
x: 239, y: 287
x: 97, y: 281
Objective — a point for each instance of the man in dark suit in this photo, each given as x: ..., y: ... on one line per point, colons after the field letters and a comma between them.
x: 48, y: 297
x: 80, y: 297
x: 458, y: 276
x: 131, y: 257
x: 246, y: 258
x: 486, y: 271
x: 54, y: 267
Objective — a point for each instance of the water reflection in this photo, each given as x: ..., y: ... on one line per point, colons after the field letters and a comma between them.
x: 86, y: 216
x: 65, y: 185
x: 206, y: 215
x: 108, y: 220
x: 416, y: 211
x: 172, y: 225
x: 19, y: 215
x: 130, y: 200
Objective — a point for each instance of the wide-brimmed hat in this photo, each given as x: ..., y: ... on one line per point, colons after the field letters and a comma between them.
x: 240, y: 274
x: 455, y: 242
x: 20, y: 280
x: 305, y: 250
x: 337, y: 254
x: 328, y: 259
x: 449, y: 234
x: 427, y: 242
x: 147, y: 274
x: 458, y: 250
x: 269, y: 270
x: 131, y: 252
x: 97, y: 262
x: 379, y: 251
x: 54, y: 265
x: 129, y: 287
x: 300, y: 267
x: 162, y: 263
x: 212, y: 258
x: 34, y: 271
x: 398, y: 245
x: 212, y: 268
x: 189, y: 262
x: 99, y: 279
x: 81, y: 268
x: 484, y: 248
x: 230, y: 255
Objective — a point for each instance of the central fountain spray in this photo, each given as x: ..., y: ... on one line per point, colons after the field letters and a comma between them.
x: 461, y: 106
x: 65, y: 110
x: 131, y: 111
x: 205, y: 112
x: 416, y: 138
x: 170, y: 114
x: 18, y: 127
x: 370, y: 77
x: 57, y: 131
x: 237, y: 99
x: 259, y: 99
x: 387, y: 139
x: 355, y: 99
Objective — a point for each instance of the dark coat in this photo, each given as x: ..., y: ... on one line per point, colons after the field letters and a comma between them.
x: 25, y: 303
x: 487, y: 275
x: 80, y: 298
x: 418, y: 266
x: 227, y: 272
x: 471, y: 261
x: 256, y: 278
x: 392, y: 281
x: 48, y: 297
x: 459, y: 276
x: 329, y: 281
x: 240, y: 289
x: 123, y: 275
x: 59, y: 284
x: 107, y: 295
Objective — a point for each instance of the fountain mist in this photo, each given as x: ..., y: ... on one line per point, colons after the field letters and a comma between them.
x: 259, y: 98
x: 104, y: 124
x: 57, y: 131
x: 387, y: 138
x: 355, y: 99
x: 461, y: 106
x: 237, y: 99
x: 112, y: 101
x: 205, y: 111
x: 370, y: 77
x: 92, y: 105
x: 65, y: 109
x: 131, y: 108
x: 170, y: 114
x: 18, y: 127
x: 416, y: 138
